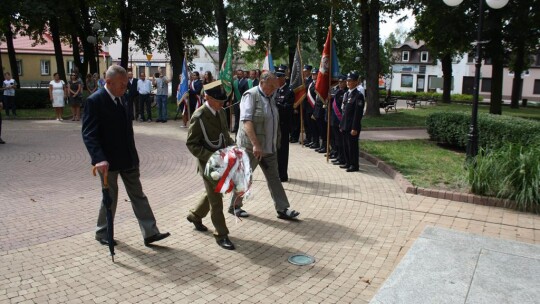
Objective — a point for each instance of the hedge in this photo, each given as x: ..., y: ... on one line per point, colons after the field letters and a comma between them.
x: 494, y: 130
x: 429, y: 95
x: 26, y: 98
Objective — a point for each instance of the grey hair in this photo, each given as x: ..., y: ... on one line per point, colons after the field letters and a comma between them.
x: 267, y: 75
x: 115, y: 70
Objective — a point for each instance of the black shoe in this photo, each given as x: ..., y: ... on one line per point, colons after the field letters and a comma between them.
x: 288, y: 214
x: 345, y: 166
x: 314, y: 146
x: 158, y: 120
x: 352, y: 169
x: 104, y: 241
x: 294, y: 141
x: 285, y: 179
x: 336, y: 161
x: 322, y: 150
x: 1, y: 141
x: 155, y: 238
x: 199, y: 226
x: 239, y: 212
x: 225, y: 243
x: 163, y: 121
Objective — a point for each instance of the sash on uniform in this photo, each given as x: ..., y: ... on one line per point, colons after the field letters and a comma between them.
x: 336, y: 110
x: 310, y: 98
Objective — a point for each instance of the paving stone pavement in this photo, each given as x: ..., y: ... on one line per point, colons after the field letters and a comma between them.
x: 358, y: 226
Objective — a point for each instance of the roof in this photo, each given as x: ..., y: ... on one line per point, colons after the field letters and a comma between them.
x: 25, y: 45
x: 411, y: 44
x: 249, y: 42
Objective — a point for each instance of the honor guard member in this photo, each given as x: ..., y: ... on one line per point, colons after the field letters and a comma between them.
x: 311, y: 100
x: 285, y: 103
x: 208, y: 132
x: 350, y: 125
x: 335, y: 119
x: 307, y: 81
x: 195, y: 87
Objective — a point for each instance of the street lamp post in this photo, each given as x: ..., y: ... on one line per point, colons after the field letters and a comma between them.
x: 472, y: 143
x: 94, y: 40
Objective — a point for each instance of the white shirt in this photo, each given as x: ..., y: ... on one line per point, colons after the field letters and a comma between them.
x: 110, y: 94
x: 144, y: 87
x: 361, y: 89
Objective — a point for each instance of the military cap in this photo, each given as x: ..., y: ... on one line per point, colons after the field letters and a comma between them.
x: 216, y: 90
x: 307, y: 67
x: 280, y: 71
x: 315, y: 71
x: 352, y: 75
x: 342, y: 77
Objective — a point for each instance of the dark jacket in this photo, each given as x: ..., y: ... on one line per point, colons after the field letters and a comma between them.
x: 353, y: 110
x: 285, y: 103
x: 337, y: 100
x: 108, y: 133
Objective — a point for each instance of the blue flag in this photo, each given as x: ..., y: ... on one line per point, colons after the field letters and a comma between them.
x: 335, y: 63
x: 183, y: 89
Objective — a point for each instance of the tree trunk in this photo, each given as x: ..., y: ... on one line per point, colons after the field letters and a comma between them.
x: 447, y: 77
x: 176, y: 49
x: 1, y: 66
x: 12, y: 56
x: 125, y: 29
x: 292, y: 51
x: 221, y: 23
x: 77, y: 56
x: 364, y: 24
x: 84, y: 32
x: 517, y: 82
x: 497, y: 60
x: 372, y: 85
x: 55, y: 33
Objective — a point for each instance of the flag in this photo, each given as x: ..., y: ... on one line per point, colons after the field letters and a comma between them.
x: 183, y: 89
x: 268, y: 64
x: 329, y: 67
x: 297, y: 78
x: 226, y: 72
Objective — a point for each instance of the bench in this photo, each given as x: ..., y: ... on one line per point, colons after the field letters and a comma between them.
x: 388, y: 103
x: 412, y: 102
x: 43, y: 84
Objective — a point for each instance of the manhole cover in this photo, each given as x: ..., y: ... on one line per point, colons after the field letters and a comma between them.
x: 301, y: 259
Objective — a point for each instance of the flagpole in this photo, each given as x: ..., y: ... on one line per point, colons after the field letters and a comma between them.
x: 329, y: 87
x: 302, y: 102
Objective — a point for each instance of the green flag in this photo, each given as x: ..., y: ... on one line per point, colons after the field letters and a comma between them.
x: 226, y: 72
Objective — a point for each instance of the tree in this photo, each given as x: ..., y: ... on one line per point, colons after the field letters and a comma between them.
x: 9, y: 24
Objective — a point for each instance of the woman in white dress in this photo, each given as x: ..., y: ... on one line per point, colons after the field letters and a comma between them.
x: 57, y: 93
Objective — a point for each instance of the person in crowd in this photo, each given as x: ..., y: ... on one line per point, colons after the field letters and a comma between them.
x: 144, y: 88
x: 1, y: 108
x: 208, y: 78
x: 91, y: 84
x: 195, y: 88
x: 350, y: 125
x: 335, y: 119
x: 132, y: 96
x: 259, y: 136
x: 161, y: 82
x: 74, y: 90
x: 57, y: 95
x: 8, y: 86
x: 107, y: 133
x: 100, y: 81
x: 240, y: 85
x: 252, y: 80
x: 285, y: 103
x: 208, y: 132
x: 312, y: 132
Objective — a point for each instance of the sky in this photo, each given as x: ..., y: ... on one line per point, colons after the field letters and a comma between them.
x: 385, y: 27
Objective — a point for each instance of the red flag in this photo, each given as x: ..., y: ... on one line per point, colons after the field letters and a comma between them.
x: 322, y: 85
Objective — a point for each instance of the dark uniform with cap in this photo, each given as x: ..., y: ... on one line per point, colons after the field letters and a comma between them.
x: 312, y: 132
x: 208, y: 132
x: 307, y: 82
x: 353, y: 110
x: 335, y: 119
x: 285, y: 103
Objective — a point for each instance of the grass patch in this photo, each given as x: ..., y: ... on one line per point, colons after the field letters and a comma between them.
x: 417, y: 117
x: 423, y: 163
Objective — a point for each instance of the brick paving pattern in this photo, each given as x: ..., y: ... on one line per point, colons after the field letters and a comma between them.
x: 358, y: 226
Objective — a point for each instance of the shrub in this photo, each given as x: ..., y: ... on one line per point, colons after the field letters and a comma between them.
x: 428, y: 95
x: 510, y: 172
x: 32, y: 98
x: 494, y: 130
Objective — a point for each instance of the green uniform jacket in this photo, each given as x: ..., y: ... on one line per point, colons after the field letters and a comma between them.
x: 215, y: 128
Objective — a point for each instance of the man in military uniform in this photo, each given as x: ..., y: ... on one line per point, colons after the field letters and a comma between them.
x: 208, y: 132
x: 335, y: 119
x: 285, y: 103
x: 312, y: 132
x: 296, y: 134
x: 350, y: 125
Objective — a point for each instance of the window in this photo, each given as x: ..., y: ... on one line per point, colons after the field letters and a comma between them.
x: 487, y: 61
x: 470, y: 58
x: 537, y: 59
x: 405, y: 56
x: 424, y: 56
x: 69, y: 65
x: 486, y: 85
x: 45, y: 67
x: 19, y: 67
x: 406, y: 80
x: 536, y: 89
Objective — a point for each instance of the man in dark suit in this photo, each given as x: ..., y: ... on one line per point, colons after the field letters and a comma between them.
x: 312, y: 132
x: 107, y: 133
x: 350, y: 125
x: 132, y: 96
x: 195, y: 88
x: 240, y: 86
x: 285, y: 103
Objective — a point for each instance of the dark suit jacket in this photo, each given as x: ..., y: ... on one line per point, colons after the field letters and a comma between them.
x: 353, y: 110
x: 131, y: 93
x: 108, y: 133
x: 285, y: 103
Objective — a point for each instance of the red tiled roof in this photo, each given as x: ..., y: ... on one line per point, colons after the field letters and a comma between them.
x: 25, y: 45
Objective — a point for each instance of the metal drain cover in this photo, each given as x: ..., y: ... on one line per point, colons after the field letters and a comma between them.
x: 301, y: 259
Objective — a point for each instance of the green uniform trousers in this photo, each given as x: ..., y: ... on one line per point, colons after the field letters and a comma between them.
x: 211, y: 202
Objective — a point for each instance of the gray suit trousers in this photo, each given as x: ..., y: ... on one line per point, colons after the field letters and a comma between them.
x: 139, y: 203
x: 269, y: 167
